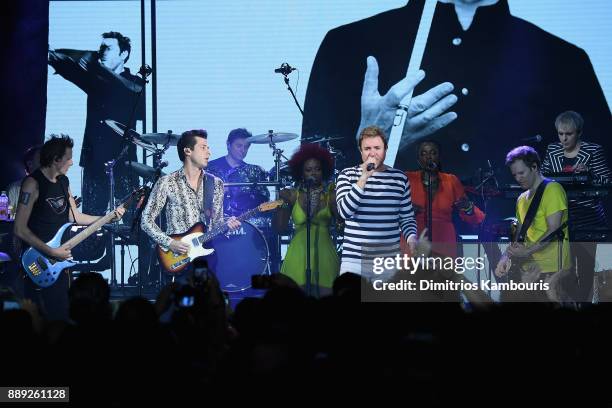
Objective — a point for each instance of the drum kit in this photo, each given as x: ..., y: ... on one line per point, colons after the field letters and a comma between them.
x: 149, y: 142
x: 248, y: 186
x: 154, y: 145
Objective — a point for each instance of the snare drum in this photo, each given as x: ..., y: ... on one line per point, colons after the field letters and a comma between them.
x: 238, y: 255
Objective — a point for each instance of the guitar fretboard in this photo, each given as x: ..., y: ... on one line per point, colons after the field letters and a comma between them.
x: 219, y: 229
x: 77, y: 239
x: 81, y: 236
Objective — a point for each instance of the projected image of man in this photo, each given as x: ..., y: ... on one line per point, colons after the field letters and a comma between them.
x: 112, y: 93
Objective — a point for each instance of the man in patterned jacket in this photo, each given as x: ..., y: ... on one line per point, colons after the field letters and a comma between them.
x: 190, y: 195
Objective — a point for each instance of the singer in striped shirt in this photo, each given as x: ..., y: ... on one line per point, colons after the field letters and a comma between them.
x: 374, y: 199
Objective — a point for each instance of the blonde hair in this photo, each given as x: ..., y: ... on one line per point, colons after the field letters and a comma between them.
x: 372, y: 131
x: 570, y: 118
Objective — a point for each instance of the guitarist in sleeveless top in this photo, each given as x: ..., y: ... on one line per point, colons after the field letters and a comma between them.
x: 45, y: 204
x: 541, y: 230
x: 189, y: 195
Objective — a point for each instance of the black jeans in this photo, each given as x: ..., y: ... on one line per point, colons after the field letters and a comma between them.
x: 52, y: 302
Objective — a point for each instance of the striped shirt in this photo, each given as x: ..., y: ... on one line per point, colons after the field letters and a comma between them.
x: 583, y: 212
x: 374, y: 215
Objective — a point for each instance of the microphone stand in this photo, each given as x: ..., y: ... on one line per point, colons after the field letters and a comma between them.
x: 145, y: 201
x: 286, y: 79
x: 485, y: 200
x: 145, y: 71
x: 308, y: 271
x: 429, y: 213
x: 560, y: 236
x: 110, y: 171
x: 488, y: 246
x: 158, y: 170
x: 134, y: 229
x: 278, y: 154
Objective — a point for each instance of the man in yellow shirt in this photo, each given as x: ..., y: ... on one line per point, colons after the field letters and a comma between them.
x: 538, y: 250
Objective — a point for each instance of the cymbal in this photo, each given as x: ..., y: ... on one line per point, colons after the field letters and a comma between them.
x: 132, y: 135
x: 320, y: 140
x: 275, y: 137
x: 119, y: 128
x: 142, y: 170
x: 162, y: 138
x: 327, y: 139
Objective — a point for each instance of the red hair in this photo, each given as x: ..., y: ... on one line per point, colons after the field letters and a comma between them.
x: 310, y: 151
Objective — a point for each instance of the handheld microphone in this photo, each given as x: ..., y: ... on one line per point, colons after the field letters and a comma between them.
x: 145, y: 70
x: 284, y: 69
x: 370, y: 167
x: 532, y: 139
x: 431, y: 165
x: 309, y: 182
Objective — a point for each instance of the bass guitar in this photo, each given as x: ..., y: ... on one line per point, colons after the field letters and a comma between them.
x: 44, y: 270
x: 197, y: 236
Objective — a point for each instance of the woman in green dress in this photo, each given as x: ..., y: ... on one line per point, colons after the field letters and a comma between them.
x: 314, y: 165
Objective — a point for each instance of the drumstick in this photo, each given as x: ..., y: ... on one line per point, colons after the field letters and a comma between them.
x: 413, y: 66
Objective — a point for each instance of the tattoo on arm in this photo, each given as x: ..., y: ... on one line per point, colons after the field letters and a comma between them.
x: 24, y: 197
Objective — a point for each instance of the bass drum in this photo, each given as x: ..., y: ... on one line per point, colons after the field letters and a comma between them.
x: 238, y: 255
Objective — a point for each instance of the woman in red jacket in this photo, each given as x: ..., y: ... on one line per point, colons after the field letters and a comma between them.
x: 448, y: 196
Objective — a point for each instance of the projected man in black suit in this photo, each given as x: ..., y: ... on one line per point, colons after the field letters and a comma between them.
x: 112, y: 93
x: 490, y: 80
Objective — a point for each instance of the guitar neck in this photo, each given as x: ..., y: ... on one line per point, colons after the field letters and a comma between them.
x: 77, y: 239
x: 219, y: 229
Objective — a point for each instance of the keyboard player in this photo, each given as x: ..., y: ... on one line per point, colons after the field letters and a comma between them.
x: 572, y: 155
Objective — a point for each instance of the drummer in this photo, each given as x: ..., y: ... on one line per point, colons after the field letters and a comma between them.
x: 232, y: 168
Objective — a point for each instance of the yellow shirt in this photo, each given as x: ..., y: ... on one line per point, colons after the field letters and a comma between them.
x: 553, y: 200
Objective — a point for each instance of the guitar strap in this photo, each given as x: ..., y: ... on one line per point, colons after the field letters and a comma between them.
x: 531, y: 211
x: 208, y: 187
x: 67, y: 198
x: 67, y: 271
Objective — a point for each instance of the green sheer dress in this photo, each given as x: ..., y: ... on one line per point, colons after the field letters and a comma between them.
x: 324, y: 263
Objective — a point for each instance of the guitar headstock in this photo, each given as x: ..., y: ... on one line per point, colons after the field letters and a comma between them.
x: 270, y: 205
x: 135, y: 195
x: 139, y: 193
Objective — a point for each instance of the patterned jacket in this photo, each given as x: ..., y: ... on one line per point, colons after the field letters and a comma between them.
x: 184, y: 206
x: 583, y: 212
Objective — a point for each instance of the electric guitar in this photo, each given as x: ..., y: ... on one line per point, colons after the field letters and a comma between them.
x: 197, y: 236
x: 44, y: 270
x: 517, y: 269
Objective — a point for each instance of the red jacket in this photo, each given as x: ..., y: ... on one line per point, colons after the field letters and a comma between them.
x: 450, y: 190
